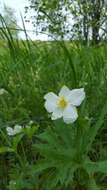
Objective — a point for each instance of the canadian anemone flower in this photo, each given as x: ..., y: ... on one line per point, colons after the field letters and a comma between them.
x: 64, y: 105
x: 13, y: 131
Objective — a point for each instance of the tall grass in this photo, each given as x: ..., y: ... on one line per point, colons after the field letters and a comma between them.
x: 28, y: 70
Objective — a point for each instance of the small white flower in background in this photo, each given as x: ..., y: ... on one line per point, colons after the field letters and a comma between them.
x: 3, y: 91
x: 17, y: 129
x: 13, y: 131
x: 31, y: 122
x: 64, y: 105
x: 10, y: 131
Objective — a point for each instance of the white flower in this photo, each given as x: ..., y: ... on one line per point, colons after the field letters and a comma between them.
x: 3, y: 91
x: 64, y: 105
x: 13, y: 131
x: 10, y: 131
x: 31, y: 122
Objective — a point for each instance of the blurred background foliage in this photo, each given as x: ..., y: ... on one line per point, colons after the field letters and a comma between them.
x: 30, y: 69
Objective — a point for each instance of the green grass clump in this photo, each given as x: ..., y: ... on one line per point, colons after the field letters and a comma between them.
x: 29, y: 70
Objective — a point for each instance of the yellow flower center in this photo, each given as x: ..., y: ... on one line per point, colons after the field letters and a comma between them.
x: 62, y: 103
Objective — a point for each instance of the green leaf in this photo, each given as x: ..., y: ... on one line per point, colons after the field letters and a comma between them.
x: 5, y: 149
x: 65, y: 132
x: 31, y: 130
x: 91, y: 134
x: 93, y: 185
x: 93, y: 167
x: 43, y: 164
x: 16, y: 140
x: 58, y: 154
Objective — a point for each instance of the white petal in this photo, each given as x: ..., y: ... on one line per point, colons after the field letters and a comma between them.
x: 50, y: 106
x: 17, y: 129
x: 51, y: 96
x: 64, y: 91
x: 51, y: 101
x: 76, y: 96
x: 70, y: 114
x: 57, y: 114
x: 10, y: 131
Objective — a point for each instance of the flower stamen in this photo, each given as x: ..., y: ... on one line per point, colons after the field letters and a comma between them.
x: 62, y: 103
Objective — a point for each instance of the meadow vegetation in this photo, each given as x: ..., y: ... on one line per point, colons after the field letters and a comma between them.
x: 50, y: 155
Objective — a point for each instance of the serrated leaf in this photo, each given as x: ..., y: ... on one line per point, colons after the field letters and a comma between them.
x: 42, y: 165
x: 93, y: 167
